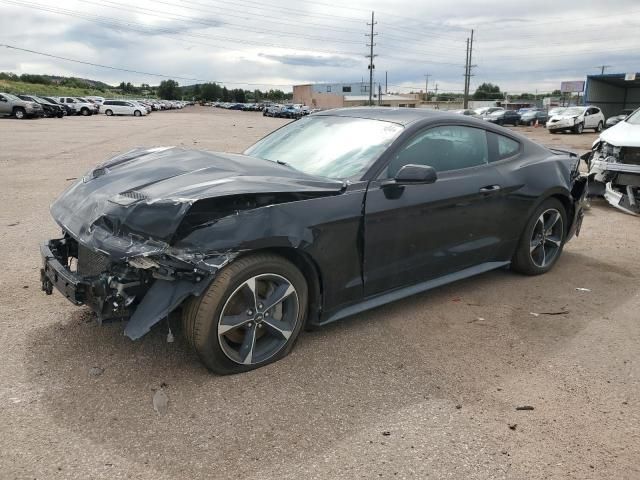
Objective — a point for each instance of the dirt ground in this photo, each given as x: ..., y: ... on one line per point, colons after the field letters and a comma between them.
x: 426, y: 387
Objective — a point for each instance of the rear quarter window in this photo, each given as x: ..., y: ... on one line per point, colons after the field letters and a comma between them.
x: 503, y: 147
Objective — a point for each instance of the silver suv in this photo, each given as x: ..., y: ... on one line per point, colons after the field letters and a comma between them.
x: 12, y: 105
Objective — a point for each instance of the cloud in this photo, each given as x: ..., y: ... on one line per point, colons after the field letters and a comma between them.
x: 268, y: 44
x: 312, y: 60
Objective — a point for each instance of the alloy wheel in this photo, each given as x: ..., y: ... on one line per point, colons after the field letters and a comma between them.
x: 546, y: 239
x: 258, y: 318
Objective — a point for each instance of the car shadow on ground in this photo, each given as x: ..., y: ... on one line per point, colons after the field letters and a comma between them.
x: 454, y: 342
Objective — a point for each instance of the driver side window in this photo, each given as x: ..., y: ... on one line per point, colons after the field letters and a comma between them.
x: 450, y: 147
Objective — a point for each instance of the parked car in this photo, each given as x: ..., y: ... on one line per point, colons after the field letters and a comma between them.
x: 12, y: 105
x: 577, y: 119
x: 289, y: 111
x: 611, y: 121
x: 94, y: 105
x: 271, y: 111
x: 503, y: 117
x: 614, y: 164
x: 468, y: 112
x: 50, y: 109
x: 68, y: 107
x: 487, y: 110
x: 83, y: 108
x: 122, y: 107
x: 329, y: 216
x: 530, y: 117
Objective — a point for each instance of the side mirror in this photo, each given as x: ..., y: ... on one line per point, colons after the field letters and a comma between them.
x: 413, y: 175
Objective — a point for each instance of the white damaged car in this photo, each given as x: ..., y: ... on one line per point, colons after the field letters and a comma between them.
x: 576, y: 119
x: 614, y: 165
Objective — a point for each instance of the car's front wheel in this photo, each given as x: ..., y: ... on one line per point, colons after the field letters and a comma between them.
x: 579, y: 128
x: 19, y: 113
x: 250, y: 316
x: 137, y: 113
x: 542, y: 241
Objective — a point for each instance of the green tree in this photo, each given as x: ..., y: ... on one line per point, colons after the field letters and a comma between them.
x: 168, y: 90
x: 488, y: 91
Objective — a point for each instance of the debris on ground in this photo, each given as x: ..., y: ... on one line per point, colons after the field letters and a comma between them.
x: 560, y: 312
x: 96, y: 371
x: 458, y: 406
x: 386, y: 433
x: 160, y: 401
x: 579, y: 289
x: 525, y: 407
x: 512, y: 426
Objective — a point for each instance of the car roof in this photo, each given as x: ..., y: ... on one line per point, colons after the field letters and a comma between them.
x: 403, y: 116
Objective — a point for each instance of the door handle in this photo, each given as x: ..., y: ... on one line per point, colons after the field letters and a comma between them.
x: 490, y: 189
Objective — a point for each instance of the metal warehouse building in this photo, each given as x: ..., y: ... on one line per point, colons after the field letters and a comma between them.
x: 613, y: 92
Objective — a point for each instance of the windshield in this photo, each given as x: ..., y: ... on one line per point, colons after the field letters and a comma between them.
x: 333, y: 147
x: 634, y: 118
x: 556, y: 111
x: 574, y: 111
x: 497, y: 113
x: 10, y: 97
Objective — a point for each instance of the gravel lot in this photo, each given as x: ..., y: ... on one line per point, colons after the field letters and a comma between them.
x: 423, y: 388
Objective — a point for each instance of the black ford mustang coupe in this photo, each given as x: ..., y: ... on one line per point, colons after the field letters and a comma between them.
x: 330, y: 215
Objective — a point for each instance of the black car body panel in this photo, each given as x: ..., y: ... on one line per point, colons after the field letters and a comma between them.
x: 151, y: 227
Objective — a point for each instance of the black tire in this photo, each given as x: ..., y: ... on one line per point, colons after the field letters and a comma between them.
x: 137, y: 113
x: 600, y: 127
x: 201, y: 315
x: 19, y: 113
x: 501, y: 122
x: 60, y: 114
x: 526, y: 259
x: 108, y: 113
x: 579, y: 128
x: 85, y: 112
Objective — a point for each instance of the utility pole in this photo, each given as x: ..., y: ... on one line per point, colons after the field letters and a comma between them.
x: 379, y: 94
x: 386, y: 84
x: 603, y: 68
x: 371, y: 56
x: 467, y: 74
x: 426, y: 87
x: 465, y: 103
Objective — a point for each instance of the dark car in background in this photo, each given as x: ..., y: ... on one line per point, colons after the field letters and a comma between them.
x: 503, y: 117
x: 530, y: 117
x: 334, y: 214
x: 69, y: 108
x: 50, y: 109
x: 611, y: 121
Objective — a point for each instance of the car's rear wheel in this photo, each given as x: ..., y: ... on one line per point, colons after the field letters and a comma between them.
x: 137, y: 113
x: 250, y: 316
x: 579, y: 128
x: 600, y: 127
x: 19, y: 113
x: 108, y: 113
x: 542, y: 241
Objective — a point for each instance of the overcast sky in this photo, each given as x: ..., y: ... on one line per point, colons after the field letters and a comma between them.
x: 520, y: 45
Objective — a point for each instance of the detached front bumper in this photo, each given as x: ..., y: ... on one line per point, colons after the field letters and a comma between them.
x: 112, y: 290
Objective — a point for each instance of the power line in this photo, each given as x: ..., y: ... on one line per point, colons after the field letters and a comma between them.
x: 162, y: 75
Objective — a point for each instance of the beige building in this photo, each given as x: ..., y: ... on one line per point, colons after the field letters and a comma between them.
x: 337, y: 95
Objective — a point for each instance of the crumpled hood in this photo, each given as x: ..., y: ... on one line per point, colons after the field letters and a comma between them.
x: 622, y: 134
x: 134, y: 203
x: 564, y: 117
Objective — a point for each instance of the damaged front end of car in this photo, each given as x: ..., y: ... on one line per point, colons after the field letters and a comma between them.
x: 614, y: 173
x: 127, y: 248
x: 143, y: 289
